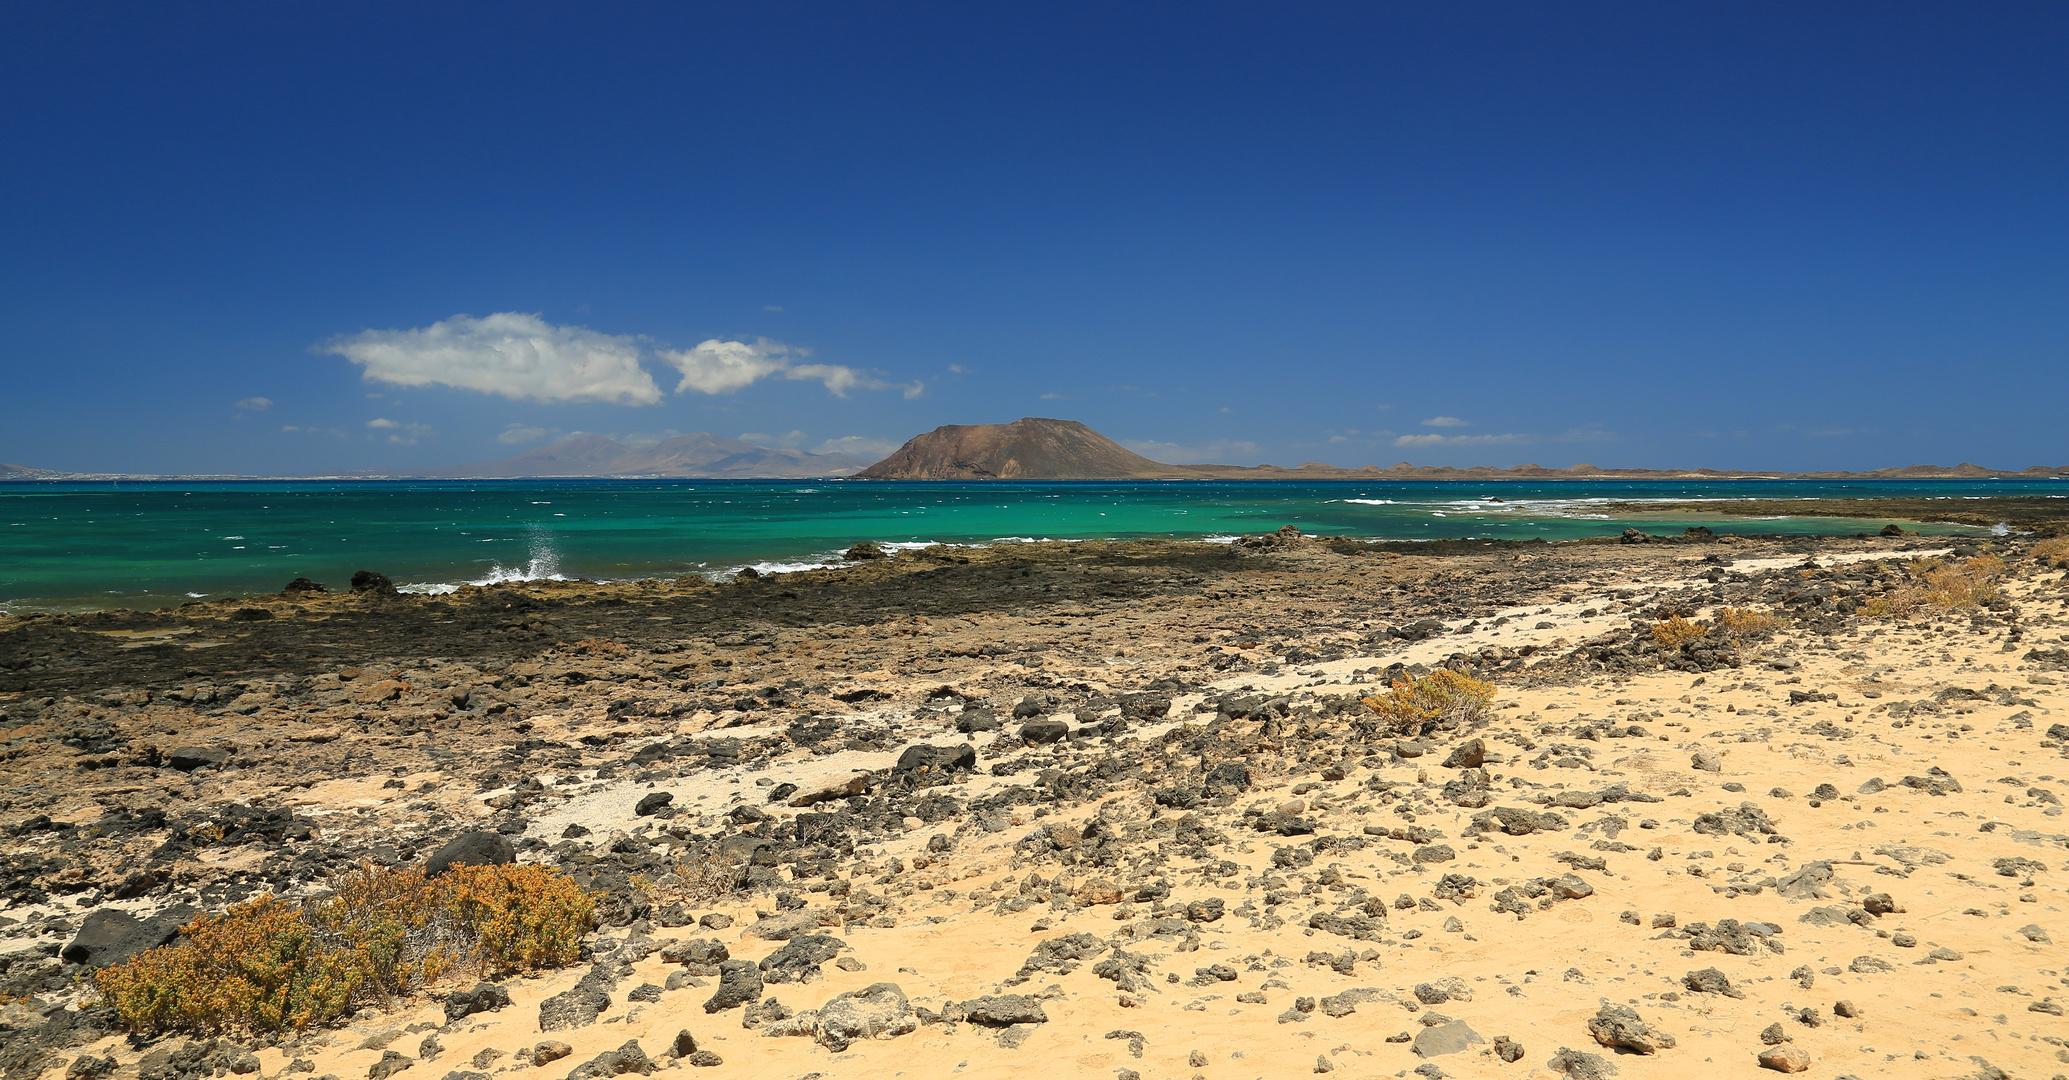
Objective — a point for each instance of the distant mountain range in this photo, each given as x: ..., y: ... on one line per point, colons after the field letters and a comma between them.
x: 700, y: 455
x: 1031, y: 448
x: 1034, y: 448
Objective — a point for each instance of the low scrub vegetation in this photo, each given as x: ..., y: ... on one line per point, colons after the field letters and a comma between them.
x: 1442, y: 699
x: 2053, y: 552
x: 269, y: 965
x: 1745, y: 624
x: 1943, y: 588
x: 1674, y: 632
x: 1726, y: 634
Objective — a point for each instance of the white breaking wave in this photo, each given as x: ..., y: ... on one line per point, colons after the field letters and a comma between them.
x: 544, y: 565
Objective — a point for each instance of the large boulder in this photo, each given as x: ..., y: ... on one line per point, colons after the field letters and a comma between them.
x: 1619, y: 1027
x: 799, y: 959
x: 485, y: 997
x: 190, y: 758
x: 110, y: 936
x: 921, y: 756
x: 628, y: 1058
x: 739, y: 982
x: 372, y: 581
x: 877, y: 1011
x: 1002, y: 1010
x: 580, y: 1006
x: 478, y: 848
x: 1044, y: 731
x: 1441, y: 1039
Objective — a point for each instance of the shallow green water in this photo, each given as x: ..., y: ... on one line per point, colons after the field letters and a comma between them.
x: 143, y: 545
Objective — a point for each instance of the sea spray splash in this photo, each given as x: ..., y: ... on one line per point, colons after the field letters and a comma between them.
x: 544, y: 564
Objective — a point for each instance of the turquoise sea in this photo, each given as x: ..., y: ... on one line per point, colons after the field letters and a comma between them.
x: 148, y: 545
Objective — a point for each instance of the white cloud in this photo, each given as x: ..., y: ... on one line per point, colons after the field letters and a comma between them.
x: 839, y: 380
x: 956, y: 368
x: 1445, y: 421
x: 1461, y: 440
x: 1060, y: 397
x: 1218, y: 452
x: 721, y: 367
x: 861, y: 446
x: 522, y: 356
x: 519, y: 434
x: 402, y: 434
x: 777, y: 308
x: 255, y: 404
x: 509, y: 353
x: 788, y: 438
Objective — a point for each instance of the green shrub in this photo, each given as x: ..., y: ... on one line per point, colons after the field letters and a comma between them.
x: 267, y: 965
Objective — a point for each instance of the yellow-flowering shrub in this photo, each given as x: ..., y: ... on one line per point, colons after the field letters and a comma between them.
x: 1441, y: 699
x: 1745, y: 624
x: 267, y: 965
x: 1675, y: 632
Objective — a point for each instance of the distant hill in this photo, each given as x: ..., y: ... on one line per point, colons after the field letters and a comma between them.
x: 1030, y: 448
x: 1035, y: 448
x: 696, y: 455
x: 23, y: 472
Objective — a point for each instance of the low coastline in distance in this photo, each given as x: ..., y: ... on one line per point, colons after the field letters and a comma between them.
x: 1031, y: 448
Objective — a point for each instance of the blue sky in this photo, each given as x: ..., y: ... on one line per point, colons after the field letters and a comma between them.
x: 286, y: 238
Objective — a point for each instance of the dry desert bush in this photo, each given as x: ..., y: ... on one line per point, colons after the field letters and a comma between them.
x: 269, y: 965
x: 1442, y: 699
x: 1674, y: 632
x: 1937, y: 587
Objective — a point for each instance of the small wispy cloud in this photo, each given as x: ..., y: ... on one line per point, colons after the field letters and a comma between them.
x: 1588, y: 433
x: 1056, y: 397
x: 1462, y: 440
x: 1445, y: 421
x: 400, y: 433
x: 519, y: 434
x: 255, y: 404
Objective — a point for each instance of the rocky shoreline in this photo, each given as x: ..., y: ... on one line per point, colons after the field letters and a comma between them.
x: 1116, y: 805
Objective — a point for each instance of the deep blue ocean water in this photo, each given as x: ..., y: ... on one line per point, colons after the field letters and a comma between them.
x: 148, y: 545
